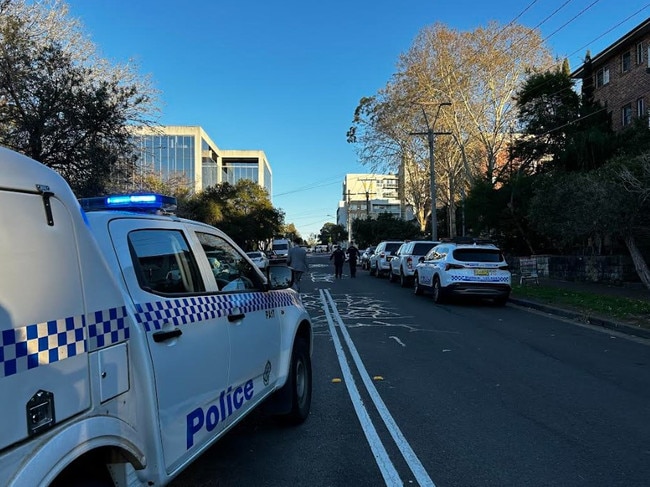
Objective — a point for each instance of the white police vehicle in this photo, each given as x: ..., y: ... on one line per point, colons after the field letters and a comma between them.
x: 130, y: 339
x: 465, y: 267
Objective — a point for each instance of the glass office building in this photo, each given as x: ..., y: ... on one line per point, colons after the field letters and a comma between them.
x: 187, y: 152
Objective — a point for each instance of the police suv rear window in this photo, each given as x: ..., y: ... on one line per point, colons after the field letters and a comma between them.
x: 422, y: 248
x: 478, y: 255
x: 392, y: 247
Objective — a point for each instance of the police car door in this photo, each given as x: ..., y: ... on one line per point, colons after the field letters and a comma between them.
x: 253, y: 323
x: 187, y: 336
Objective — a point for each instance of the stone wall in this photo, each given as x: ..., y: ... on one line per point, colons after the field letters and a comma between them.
x: 600, y: 268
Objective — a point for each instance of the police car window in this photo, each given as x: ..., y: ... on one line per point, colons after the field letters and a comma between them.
x: 230, y: 270
x: 164, y: 263
x: 478, y: 255
x: 421, y: 248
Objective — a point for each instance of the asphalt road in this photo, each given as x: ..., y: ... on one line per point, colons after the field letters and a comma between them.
x: 460, y: 394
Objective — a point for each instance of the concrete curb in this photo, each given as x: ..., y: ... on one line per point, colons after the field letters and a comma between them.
x: 577, y: 316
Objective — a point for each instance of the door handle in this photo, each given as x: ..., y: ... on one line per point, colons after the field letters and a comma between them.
x: 236, y: 317
x: 161, y: 336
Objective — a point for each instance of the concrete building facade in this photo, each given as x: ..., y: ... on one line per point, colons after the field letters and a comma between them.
x: 188, y: 151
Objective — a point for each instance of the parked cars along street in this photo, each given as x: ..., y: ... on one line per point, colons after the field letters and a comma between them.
x: 379, y: 261
x: 464, y: 267
x: 402, y: 265
x: 259, y: 258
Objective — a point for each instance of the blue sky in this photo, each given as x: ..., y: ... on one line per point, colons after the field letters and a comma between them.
x: 285, y: 76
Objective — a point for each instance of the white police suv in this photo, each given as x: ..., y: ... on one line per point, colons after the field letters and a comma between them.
x: 131, y: 339
x: 464, y: 267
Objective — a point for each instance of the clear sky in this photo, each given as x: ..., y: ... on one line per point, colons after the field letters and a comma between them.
x: 285, y: 76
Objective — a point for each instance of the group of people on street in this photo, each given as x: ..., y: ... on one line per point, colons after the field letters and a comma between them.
x: 297, y: 260
x: 338, y: 256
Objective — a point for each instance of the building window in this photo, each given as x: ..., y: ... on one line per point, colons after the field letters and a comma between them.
x: 626, y: 62
x: 640, y: 108
x: 626, y: 115
x: 639, y: 53
x: 602, y: 77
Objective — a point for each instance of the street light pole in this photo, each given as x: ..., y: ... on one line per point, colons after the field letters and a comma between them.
x: 432, y: 168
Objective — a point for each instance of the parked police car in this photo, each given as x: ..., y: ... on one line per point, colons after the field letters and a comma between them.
x: 130, y: 339
x: 465, y: 267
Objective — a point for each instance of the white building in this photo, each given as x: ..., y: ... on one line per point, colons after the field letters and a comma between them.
x: 368, y: 196
x: 189, y: 151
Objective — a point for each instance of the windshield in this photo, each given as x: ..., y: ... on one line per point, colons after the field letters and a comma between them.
x: 282, y: 246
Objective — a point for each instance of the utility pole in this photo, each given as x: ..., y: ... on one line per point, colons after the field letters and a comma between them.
x: 349, y: 220
x: 431, y: 140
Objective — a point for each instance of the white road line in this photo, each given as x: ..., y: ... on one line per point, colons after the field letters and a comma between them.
x: 409, y: 455
x: 397, y: 340
x: 388, y: 471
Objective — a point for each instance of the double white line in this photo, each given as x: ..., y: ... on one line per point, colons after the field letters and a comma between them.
x: 388, y: 471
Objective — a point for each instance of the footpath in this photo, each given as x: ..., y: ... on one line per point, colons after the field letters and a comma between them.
x: 627, y: 290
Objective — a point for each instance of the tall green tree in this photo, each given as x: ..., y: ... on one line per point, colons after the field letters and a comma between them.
x: 243, y: 211
x: 62, y: 104
x: 331, y: 233
x: 547, y: 106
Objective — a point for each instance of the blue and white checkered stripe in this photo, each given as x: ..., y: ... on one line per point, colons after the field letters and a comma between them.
x: 107, y: 327
x: 38, y: 344
x: 462, y: 278
x: 34, y: 345
x: 182, y: 311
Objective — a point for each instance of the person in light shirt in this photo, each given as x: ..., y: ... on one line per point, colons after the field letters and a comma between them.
x: 297, y: 261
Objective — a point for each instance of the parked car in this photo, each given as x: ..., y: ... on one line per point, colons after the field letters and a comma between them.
x: 259, y: 258
x: 464, y: 269
x: 365, y: 258
x: 379, y: 262
x: 402, y: 265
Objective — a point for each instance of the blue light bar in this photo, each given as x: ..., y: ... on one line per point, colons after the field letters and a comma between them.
x: 141, y: 202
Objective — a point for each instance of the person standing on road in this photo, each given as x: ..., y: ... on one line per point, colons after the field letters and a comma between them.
x: 353, y: 255
x: 339, y: 258
x: 297, y: 260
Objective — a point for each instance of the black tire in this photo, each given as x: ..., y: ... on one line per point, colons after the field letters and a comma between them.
x: 391, y: 276
x: 417, y: 289
x: 300, y: 383
x: 373, y: 270
x: 500, y: 301
x: 436, y: 291
x: 403, y: 281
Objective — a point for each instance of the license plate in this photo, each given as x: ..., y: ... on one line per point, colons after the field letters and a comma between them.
x: 481, y: 272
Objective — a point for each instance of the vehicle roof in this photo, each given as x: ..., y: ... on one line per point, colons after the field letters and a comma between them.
x: 19, y: 172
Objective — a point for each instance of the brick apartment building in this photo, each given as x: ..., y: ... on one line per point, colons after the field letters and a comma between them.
x: 619, y: 76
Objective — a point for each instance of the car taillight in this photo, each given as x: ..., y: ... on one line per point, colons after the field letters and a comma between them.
x: 453, y: 266
x: 409, y: 262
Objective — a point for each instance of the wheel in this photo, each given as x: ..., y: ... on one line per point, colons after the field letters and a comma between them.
x: 373, y: 271
x: 500, y: 301
x: 403, y: 281
x: 300, y: 383
x: 436, y: 292
x: 417, y: 289
x: 391, y: 276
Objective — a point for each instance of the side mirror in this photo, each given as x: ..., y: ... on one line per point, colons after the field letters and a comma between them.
x: 279, y: 277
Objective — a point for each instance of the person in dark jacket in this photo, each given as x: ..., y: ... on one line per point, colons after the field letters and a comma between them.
x: 339, y: 258
x: 353, y: 255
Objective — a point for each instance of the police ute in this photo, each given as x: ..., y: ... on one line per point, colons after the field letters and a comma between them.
x: 131, y: 339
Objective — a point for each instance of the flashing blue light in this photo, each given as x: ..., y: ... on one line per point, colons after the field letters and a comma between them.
x: 142, y: 202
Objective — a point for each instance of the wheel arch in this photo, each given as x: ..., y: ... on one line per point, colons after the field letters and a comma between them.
x: 108, y: 440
